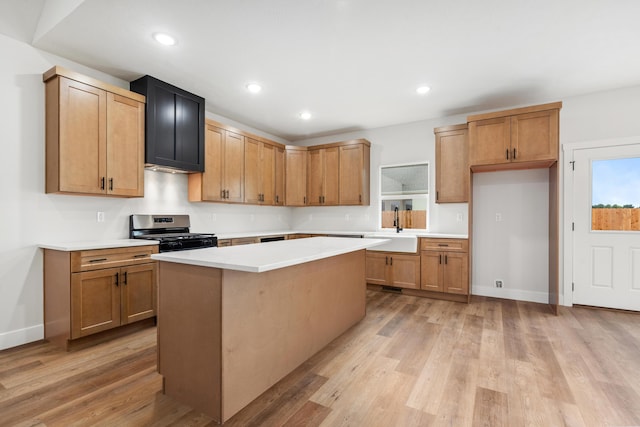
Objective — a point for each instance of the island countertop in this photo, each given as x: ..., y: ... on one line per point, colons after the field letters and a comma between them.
x: 268, y: 256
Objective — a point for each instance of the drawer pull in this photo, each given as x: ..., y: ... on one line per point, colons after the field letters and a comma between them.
x: 443, y: 244
x: 97, y: 260
x: 141, y: 256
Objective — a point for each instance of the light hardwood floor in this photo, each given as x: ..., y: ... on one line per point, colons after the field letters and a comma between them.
x: 410, y: 362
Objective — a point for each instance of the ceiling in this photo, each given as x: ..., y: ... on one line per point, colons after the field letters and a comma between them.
x: 354, y: 64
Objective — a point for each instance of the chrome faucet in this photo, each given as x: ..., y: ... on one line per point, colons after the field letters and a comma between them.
x: 396, y: 220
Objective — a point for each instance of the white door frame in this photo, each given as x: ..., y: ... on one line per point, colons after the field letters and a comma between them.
x: 566, y: 157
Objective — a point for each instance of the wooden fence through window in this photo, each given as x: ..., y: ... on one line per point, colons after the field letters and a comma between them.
x: 625, y: 219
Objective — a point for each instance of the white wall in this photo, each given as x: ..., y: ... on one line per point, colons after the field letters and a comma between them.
x: 29, y: 216
x: 511, y: 234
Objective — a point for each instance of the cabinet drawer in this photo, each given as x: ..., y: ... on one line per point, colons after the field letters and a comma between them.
x: 108, y: 258
x: 457, y: 245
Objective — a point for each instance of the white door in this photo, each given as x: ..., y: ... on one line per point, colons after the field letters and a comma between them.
x: 606, y: 245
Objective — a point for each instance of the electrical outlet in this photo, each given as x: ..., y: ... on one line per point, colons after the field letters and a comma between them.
x: 459, y: 217
x: 498, y: 217
x: 498, y: 283
x: 99, y: 216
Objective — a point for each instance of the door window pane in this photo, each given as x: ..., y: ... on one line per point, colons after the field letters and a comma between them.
x: 615, y: 197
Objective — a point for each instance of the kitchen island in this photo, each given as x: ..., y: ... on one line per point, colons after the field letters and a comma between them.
x: 234, y: 321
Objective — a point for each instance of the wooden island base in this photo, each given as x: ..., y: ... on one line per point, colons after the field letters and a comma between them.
x: 226, y: 336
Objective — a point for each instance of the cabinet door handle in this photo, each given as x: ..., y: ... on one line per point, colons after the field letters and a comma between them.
x: 222, y: 194
x: 386, y: 260
x: 110, y: 184
x: 437, y: 196
x: 391, y: 260
x: 141, y: 256
x: 124, y: 282
x: 102, y: 183
x: 277, y: 199
x: 440, y: 259
x: 117, y: 277
x: 360, y: 198
x: 97, y: 260
x: 507, y: 153
x: 304, y: 200
x: 445, y: 259
x: 514, y: 154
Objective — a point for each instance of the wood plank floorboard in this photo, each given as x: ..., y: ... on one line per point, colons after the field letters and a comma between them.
x: 410, y: 362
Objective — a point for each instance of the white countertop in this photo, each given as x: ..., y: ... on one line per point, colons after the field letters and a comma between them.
x: 237, y: 235
x: 96, y: 244
x: 268, y: 256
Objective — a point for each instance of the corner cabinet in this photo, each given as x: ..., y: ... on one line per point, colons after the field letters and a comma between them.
x: 94, y: 136
x: 339, y: 174
x: 452, y: 165
x: 514, y: 139
x: 393, y: 269
x: 92, y: 291
x: 444, y: 266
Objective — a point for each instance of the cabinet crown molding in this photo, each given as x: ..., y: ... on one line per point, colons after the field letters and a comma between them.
x: 515, y: 111
x: 64, y: 72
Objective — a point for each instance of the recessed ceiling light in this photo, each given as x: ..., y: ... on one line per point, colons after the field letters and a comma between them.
x: 164, y: 39
x: 253, y: 87
x: 422, y: 90
x: 305, y: 115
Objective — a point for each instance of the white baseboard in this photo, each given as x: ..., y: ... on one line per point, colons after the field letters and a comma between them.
x: 515, y: 294
x: 21, y: 336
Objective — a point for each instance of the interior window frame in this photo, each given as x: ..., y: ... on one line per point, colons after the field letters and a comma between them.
x: 425, y: 196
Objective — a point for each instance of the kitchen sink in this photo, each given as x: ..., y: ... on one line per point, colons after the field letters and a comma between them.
x: 397, y: 242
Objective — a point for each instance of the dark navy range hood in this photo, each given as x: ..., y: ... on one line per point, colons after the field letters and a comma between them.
x: 174, y: 126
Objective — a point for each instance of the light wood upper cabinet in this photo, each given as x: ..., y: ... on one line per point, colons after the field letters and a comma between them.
x: 259, y: 178
x: 223, y: 178
x: 94, y: 136
x: 452, y: 166
x: 296, y: 176
x: 279, y: 178
x: 323, y: 176
x: 517, y: 138
x: 239, y: 168
x: 354, y: 174
x: 338, y: 173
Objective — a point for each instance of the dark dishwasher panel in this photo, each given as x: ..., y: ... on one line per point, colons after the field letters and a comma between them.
x: 271, y: 239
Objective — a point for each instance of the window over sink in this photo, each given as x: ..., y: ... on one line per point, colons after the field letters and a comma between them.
x: 404, y: 196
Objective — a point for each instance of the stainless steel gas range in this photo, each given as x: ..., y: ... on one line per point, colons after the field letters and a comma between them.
x: 171, y: 231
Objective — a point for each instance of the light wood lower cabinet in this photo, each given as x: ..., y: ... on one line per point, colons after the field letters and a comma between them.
x: 444, y: 266
x: 87, y: 292
x: 393, y: 269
